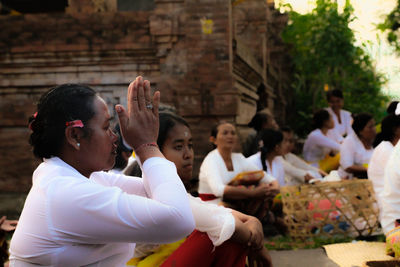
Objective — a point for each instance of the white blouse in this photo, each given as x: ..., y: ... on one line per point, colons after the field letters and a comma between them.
x: 275, y: 169
x: 214, y: 175
x: 391, y: 192
x: 343, y: 128
x: 70, y: 220
x: 317, y: 146
x: 353, y: 152
x: 295, y: 169
x: 376, y: 168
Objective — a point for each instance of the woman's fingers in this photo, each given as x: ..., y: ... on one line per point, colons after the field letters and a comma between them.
x: 147, y: 95
x: 140, y: 93
x: 156, y: 103
x: 122, y: 117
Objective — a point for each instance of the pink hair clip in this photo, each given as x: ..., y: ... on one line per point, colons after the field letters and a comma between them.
x: 75, y: 123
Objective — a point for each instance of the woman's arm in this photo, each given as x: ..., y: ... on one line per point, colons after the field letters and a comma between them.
x: 83, y: 212
x: 324, y: 141
x: 242, y: 192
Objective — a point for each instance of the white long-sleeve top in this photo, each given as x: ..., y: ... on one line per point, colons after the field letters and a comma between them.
x: 376, y: 169
x: 70, y: 220
x: 275, y: 169
x: 295, y: 169
x: 353, y: 152
x: 317, y: 146
x: 343, y: 128
x: 214, y: 175
x: 391, y: 191
x: 217, y: 221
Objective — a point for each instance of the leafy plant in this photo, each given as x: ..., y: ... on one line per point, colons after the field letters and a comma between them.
x: 325, y: 57
x: 392, y: 25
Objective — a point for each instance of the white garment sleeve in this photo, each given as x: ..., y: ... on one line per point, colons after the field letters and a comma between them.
x: 294, y: 172
x: 91, y: 213
x: 300, y: 163
x: 211, y: 172
x: 347, y: 151
x: 217, y: 221
x: 129, y: 184
x: 321, y: 140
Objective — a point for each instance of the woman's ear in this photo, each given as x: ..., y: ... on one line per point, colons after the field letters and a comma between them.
x: 73, y: 135
x: 212, y: 139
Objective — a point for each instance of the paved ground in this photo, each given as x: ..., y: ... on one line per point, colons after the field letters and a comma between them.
x: 301, y: 258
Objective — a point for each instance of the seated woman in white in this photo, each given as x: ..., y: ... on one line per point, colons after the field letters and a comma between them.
x: 390, y: 135
x: 75, y: 213
x: 342, y: 118
x: 269, y: 157
x: 223, y: 237
x: 297, y: 171
x: 221, y: 165
x: 391, y: 191
x: 356, y: 149
x: 318, y: 145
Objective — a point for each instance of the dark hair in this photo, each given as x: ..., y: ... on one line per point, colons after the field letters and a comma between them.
x: 286, y: 129
x: 392, y: 107
x: 258, y: 120
x: 168, y: 121
x: 335, y: 92
x: 120, y: 161
x: 360, y: 121
x: 59, y: 105
x: 319, y: 118
x: 270, y: 138
x: 389, y: 125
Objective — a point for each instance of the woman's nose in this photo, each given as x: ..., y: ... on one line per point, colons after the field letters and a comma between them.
x: 188, y: 153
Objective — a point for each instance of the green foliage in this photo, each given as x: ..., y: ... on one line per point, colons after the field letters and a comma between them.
x: 392, y: 25
x: 324, y: 55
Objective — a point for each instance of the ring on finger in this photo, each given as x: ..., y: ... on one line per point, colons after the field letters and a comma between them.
x: 149, y: 106
x: 135, y: 99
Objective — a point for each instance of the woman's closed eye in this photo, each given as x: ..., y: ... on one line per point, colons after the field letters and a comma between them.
x: 178, y: 147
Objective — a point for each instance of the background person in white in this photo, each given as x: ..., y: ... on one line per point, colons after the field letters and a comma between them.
x: 297, y: 171
x: 391, y: 192
x: 390, y: 135
x: 221, y: 165
x: 269, y: 157
x: 356, y: 149
x: 318, y: 145
x: 342, y: 118
x: 77, y: 215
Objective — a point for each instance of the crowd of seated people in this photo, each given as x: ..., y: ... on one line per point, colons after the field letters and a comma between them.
x: 88, y: 206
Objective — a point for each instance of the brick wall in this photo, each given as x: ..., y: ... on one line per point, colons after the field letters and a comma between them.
x: 208, y: 58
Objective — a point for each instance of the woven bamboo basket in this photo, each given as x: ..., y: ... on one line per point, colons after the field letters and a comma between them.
x: 345, y: 208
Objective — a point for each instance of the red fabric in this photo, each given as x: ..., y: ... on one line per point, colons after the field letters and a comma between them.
x: 199, y: 251
x: 207, y: 197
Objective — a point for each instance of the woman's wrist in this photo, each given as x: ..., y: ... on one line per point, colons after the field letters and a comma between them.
x: 148, y: 150
x: 144, y: 146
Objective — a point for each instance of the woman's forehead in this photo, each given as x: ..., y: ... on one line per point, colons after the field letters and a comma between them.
x: 226, y: 126
x: 180, y: 131
x: 101, y: 110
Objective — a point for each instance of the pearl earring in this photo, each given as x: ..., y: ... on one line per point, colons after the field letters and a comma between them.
x: 78, y: 144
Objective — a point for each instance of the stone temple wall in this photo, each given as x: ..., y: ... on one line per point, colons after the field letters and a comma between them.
x: 208, y: 58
